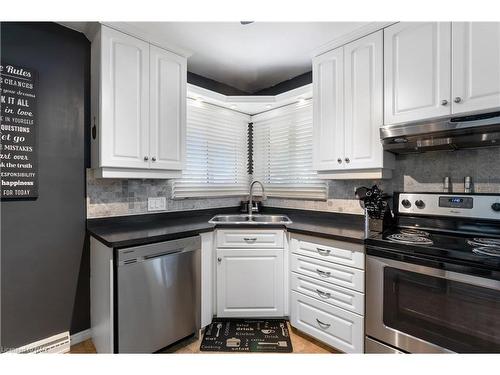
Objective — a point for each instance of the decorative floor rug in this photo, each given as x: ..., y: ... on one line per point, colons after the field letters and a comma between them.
x: 247, y: 335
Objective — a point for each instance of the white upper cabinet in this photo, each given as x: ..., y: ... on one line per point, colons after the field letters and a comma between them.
x: 438, y: 69
x: 348, y: 111
x: 475, y: 66
x: 168, y: 109
x: 417, y: 71
x: 328, y: 110
x: 363, y: 102
x: 125, y: 100
x: 138, y: 108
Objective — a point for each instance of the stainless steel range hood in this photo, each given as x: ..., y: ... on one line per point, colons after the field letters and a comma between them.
x: 444, y: 134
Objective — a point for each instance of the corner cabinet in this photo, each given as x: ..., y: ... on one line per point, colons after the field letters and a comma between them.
x: 138, y: 108
x: 348, y: 111
x: 440, y: 69
x: 250, y: 273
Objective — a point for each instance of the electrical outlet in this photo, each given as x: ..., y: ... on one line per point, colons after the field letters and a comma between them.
x: 157, y: 204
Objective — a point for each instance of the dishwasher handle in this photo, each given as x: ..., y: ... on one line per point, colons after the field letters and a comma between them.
x: 152, y: 251
x: 163, y: 254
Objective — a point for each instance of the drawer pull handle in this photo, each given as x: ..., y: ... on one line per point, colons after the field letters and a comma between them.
x: 323, y: 273
x: 253, y: 239
x: 323, y: 325
x: 323, y: 251
x: 322, y: 294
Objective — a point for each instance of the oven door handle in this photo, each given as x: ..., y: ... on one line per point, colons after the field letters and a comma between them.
x: 437, y: 272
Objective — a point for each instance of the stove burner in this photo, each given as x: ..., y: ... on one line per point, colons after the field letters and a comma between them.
x: 414, y: 232
x: 410, y: 239
x: 487, y: 250
x: 484, y: 242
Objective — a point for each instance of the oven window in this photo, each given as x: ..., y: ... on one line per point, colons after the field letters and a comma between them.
x: 454, y: 315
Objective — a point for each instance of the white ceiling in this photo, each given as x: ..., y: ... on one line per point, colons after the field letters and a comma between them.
x: 250, y: 57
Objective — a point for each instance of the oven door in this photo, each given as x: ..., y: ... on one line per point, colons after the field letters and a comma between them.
x: 428, y: 310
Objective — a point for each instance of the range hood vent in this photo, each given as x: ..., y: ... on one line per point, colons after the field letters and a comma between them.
x: 445, y: 134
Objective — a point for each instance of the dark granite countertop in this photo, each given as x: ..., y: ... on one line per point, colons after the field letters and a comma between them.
x: 342, y: 227
x: 126, y: 231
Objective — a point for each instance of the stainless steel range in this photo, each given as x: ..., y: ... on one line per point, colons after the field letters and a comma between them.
x: 433, y: 278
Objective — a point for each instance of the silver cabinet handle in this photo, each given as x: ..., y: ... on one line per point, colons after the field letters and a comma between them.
x: 146, y: 158
x: 153, y: 158
x: 458, y: 99
x: 347, y: 160
x: 339, y: 160
x: 323, y: 251
x: 247, y: 239
x: 323, y: 325
x: 444, y: 102
x: 323, y: 294
x: 323, y: 273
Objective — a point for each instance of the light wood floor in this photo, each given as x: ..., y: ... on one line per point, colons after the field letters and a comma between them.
x: 301, y: 344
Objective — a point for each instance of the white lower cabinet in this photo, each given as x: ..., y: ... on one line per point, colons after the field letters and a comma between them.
x: 334, y: 326
x: 337, y: 274
x: 335, y: 295
x: 327, y: 283
x: 250, y: 283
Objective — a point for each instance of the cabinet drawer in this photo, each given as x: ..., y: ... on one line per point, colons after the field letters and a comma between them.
x: 336, y: 327
x: 344, y: 253
x: 348, y: 277
x: 334, y: 295
x: 250, y: 238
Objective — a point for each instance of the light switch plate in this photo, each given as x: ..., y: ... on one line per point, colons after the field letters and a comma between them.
x: 157, y: 204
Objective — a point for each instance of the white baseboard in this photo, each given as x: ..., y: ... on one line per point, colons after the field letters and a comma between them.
x: 80, y: 336
x: 59, y: 343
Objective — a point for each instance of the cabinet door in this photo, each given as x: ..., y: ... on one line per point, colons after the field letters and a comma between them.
x: 476, y: 66
x: 328, y: 110
x: 168, y: 109
x: 363, y: 102
x: 250, y: 282
x: 124, y: 100
x: 417, y: 71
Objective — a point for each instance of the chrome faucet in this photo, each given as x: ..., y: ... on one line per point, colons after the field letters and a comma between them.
x: 250, y: 196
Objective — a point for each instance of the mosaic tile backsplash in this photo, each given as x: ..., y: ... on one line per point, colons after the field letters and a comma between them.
x: 416, y: 172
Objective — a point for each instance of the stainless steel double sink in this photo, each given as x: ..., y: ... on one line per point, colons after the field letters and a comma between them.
x: 255, y: 219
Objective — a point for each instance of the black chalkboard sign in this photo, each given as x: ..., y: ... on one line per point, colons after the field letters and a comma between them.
x: 18, y: 129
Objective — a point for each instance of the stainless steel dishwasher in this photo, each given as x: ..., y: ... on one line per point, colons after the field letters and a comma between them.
x: 158, y: 294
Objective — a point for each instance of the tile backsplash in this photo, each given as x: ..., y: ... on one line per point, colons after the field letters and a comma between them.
x: 415, y: 172
x: 425, y: 172
x: 117, y: 197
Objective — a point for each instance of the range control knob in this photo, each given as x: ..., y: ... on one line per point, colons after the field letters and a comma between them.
x: 406, y: 203
x: 495, y: 207
x: 420, y: 203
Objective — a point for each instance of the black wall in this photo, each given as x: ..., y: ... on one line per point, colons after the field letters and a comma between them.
x: 292, y: 83
x: 45, y: 273
x: 213, y: 85
x: 222, y: 88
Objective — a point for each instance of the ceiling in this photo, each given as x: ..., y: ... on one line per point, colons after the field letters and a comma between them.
x: 251, y: 57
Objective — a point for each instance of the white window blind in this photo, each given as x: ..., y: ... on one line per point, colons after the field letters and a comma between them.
x: 216, y: 153
x: 283, y: 154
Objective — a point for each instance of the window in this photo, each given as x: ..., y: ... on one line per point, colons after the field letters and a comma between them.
x: 216, y: 153
x: 283, y: 159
